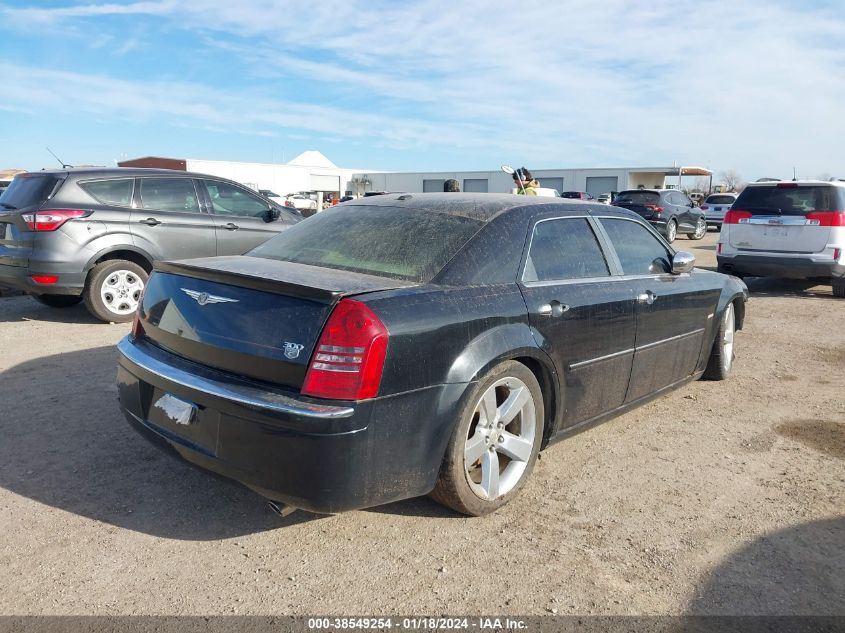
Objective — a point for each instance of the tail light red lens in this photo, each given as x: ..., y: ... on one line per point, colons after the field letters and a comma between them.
x: 45, y: 280
x: 50, y: 219
x: 837, y: 253
x: 719, y: 248
x: 826, y: 218
x: 736, y: 217
x: 349, y: 359
x: 654, y: 208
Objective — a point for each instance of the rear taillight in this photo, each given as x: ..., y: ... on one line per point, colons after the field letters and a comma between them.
x: 737, y: 217
x: 837, y: 253
x: 654, y: 208
x: 826, y: 218
x: 45, y: 280
x: 50, y: 219
x: 719, y: 248
x: 348, y: 361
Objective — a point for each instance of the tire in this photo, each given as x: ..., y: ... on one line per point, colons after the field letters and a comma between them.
x: 58, y: 301
x: 113, y: 290
x: 721, y: 359
x: 838, y: 286
x: 509, y: 449
x: 700, y: 230
x: 671, y: 231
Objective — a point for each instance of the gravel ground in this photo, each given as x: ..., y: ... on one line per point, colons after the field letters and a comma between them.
x: 720, y: 498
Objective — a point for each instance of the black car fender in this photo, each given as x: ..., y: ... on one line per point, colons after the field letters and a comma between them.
x: 512, y: 341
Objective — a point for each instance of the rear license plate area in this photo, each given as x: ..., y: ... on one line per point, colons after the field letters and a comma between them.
x: 184, y: 422
x: 775, y: 231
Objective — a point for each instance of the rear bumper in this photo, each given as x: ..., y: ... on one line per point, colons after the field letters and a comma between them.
x: 780, y: 266
x: 313, y: 455
x: 70, y: 282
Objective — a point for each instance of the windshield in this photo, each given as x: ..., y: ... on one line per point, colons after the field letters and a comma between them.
x: 28, y: 190
x: 637, y: 197
x: 410, y: 244
x: 789, y: 200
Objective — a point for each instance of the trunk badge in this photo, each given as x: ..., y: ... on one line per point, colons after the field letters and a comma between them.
x: 292, y: 349
x: 204, y: 298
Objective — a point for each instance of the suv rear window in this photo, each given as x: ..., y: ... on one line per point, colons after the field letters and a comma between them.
x: 28, y: 190
x: 637, y: 197
x: 790, y: 200
x: 720, y: 200
x: 117, y: 192
x: 386, y: 241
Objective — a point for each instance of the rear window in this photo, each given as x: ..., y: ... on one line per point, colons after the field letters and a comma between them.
x: 571, y: 194
x: 116, y: 192
x: 637, y: 197
x: 28, y: 190
x: 789, y: 200
x: 720, y: 200
x: 386, y: 241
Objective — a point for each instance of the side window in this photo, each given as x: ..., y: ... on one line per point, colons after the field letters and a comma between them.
x: 168, y: 194
x: 227, y: 199
x: 564, y: 249
x: 640, y: 252
x: 115, y: 192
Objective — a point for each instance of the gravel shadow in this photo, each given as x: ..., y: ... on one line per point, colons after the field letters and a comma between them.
x: 67, y: 445
x: 26, y: 308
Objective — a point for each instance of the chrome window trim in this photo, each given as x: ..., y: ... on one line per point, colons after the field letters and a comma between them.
x: 241, y: 394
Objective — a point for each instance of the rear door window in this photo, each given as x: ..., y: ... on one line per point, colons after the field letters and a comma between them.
x: 564, y: 249
x: 640, y: 252
x: 789, y: 200
x: 228, y: 199
x: 169, y: 194
x: 114, y: 192
x: 28, y: 190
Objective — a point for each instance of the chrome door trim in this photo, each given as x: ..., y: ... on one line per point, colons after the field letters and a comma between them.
x: 584, y: 363
x: 670, y: 339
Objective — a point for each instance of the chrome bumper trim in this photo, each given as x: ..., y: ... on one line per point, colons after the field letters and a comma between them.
x: 242, y: 394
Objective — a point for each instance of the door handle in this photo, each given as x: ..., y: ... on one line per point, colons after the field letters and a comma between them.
x: 554, y: 308
x: 647, y: 297
x: 231, y: 227
x: 150, y: 222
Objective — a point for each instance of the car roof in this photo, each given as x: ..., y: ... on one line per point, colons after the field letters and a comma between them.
x: 482, y: 206
x: 122, y: 171
x: 800, y: 183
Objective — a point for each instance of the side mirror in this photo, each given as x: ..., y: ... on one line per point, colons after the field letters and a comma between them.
x: 682, y: 262
x: 272, y: 214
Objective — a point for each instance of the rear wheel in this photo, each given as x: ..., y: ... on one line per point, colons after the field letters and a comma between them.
x: 113, y: 290
x: 838, y: 287
x: 58, y: 301
x: 722, y: 355
x: 671, y: 231
x: 495, y: 443
x: 700, y: 230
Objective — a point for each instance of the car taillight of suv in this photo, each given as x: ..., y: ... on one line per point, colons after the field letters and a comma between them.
x: 51, y: 219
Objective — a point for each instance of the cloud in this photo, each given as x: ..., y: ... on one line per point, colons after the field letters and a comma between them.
x: 572, y: 83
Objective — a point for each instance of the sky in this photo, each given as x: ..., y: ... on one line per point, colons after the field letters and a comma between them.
x: 428, y: 85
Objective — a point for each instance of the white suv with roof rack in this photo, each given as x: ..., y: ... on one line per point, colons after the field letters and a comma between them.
x: 791, y: 229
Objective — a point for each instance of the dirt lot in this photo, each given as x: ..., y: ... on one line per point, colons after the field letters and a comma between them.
x: 718, y: 498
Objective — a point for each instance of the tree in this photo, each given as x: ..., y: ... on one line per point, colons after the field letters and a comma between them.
x: 732, y: 180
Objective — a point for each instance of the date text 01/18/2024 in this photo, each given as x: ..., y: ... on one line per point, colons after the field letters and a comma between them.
x: 416, y: 623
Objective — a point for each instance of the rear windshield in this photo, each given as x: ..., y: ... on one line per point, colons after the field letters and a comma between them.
x: 410, y: 244
x: 28, y: 190
x: 789, y: 200
x: 571, y: 194
x: 637, y: 197
x: 720, y: 200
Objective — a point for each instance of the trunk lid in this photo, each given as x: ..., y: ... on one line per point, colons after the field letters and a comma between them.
x: 251, y: 316
x: 784, y: 217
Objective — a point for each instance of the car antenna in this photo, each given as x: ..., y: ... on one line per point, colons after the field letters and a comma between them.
x: 794, y: 176
x: 61, y: 162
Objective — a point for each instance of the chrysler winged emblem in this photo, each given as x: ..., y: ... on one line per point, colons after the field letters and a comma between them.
x: 203, y: 298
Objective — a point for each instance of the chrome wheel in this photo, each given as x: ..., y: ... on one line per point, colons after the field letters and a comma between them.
x: 700, y: 229
x: 501, y: 438
x: 671, y: 231
x: 121, y: 292
x: 728, y: 329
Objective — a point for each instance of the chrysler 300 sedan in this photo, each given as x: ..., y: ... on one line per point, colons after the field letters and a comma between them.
x: 413, y: 344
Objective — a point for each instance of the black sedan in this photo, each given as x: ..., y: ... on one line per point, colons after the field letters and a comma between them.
x: 413, y: 344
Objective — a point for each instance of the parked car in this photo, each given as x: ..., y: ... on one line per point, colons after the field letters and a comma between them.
x: 668, y: 210
x: 605, y: 198
x: 301, y: 202
x: 715, y: 206
x: 92, y: 235
x: 418, y: 350
x: 786, y: 229
x: 577, y: 195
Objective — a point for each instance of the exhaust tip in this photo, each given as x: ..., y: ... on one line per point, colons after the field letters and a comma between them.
x: 282, y: 509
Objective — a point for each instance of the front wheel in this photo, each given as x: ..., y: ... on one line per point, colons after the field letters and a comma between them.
x: 671, y: 231
x: 700, y: 230
x: 722, y: 355
x: 58, y: 301
x: 113, y: 290
x: 495, y: 443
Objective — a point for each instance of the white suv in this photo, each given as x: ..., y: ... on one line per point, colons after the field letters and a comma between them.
x: 786, y: 229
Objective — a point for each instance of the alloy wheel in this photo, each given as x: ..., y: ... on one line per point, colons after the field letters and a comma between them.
x: 728, y: 337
